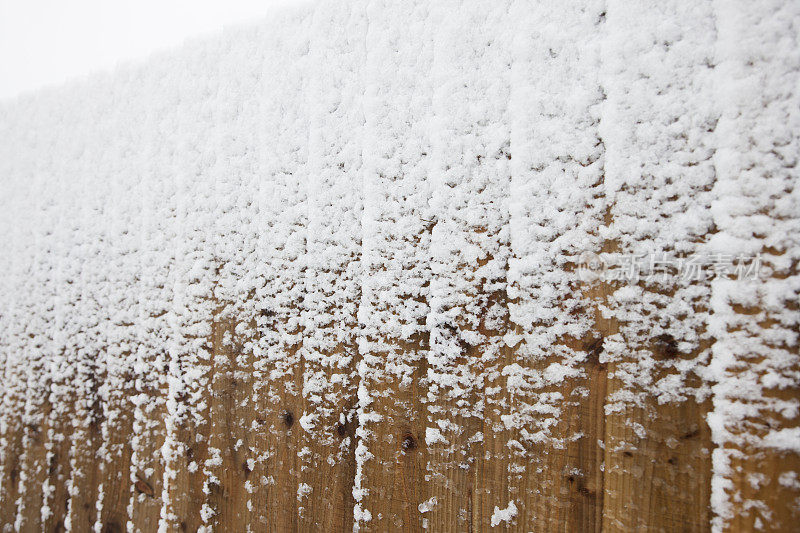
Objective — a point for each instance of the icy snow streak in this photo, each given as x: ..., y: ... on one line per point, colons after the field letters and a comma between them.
x: 326, y: 273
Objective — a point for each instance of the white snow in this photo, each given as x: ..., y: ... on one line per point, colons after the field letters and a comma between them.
x: 504, y: 515
x: 427, y: 505
x: 434, y: 435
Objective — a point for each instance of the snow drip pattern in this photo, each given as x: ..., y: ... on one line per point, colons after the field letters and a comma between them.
x: 379, y: 265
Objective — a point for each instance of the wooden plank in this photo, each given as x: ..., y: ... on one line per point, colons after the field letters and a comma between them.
x: 55, y: 494
x: 231, y: 382
x: 32, y: 456
x: 120, y: 337
x: 115, y: 453
x: 11, y: 443
x: 186, y: 443
x: 86, y: 440
x: 38, y: 360
x: 186, y: 481
x: 148, y: 408
x: 470, y: 250
x: 280, y: 248
x: 554, y: 422
x: 755, y: 359
x: 8, y: 404
x: 191, y: 349
x: 657, y: 448
x: 332, y: 275
x: 390, y: 479
x: 66, y: 327
x: 156, y: 224
x: 90, y: 363
x: 16, y: 316
x: 223, y: 486
x: 55, y: 497
x: 99, y: 483
x: 36, y: 415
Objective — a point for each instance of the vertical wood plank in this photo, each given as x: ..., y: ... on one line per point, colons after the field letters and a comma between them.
x: 90, y: 361
x: 66, y: 326
x: 755, y: 359
x: 38, y: 355
x: 657, y: 130
x: 8, y: 401
x: 280, y: 250
x: 390, y: 483
x: 230, y: 413
x: 157, y: 231
x: 19, y: 353
x: 12, y: 429
x: 191, y: 351
x: 470, y: 250
x: 556, y: 382
x: 332, y: 276
x: 120, y: 337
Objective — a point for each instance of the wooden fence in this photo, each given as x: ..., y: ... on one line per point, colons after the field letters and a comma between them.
x: 404, y: 266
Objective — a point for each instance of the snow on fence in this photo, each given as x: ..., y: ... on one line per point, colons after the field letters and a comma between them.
x: 454, y: 265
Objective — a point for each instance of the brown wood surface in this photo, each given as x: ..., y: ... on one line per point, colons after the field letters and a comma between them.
x: 652, y: 481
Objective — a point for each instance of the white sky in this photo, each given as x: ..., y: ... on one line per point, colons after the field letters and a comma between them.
x: 45, y: 42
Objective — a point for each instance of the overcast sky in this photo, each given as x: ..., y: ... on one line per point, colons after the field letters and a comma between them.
x: 44, y: 42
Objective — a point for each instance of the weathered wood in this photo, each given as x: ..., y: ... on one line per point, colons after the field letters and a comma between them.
x: 282, y: 469
x: 225, y: 494
x: 115, y: 463
x: 55, y: 495
x: 84, y: 478
x: 187, y: 478
x: 191, y: 373
x: 33, y: 461
x: 557, y: 378
x: 281, y: 203
x: 470, y: 250
x: 87, y: 378
x: 332, y: 275
x: 765, y: 477
x: 11, y: 410
x: 147, y: 438
x: 118, y: 408
x: 148, y: 400
x: 391, y: 484
x: 755, y: 357
x: 656, y: 429
x: 61, y: 393
x: 11, y: 453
